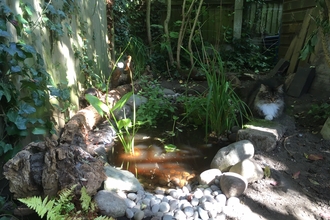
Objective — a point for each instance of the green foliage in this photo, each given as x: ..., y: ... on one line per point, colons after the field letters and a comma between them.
x: 244, y: 54
x: 194, y: 109
x: 223, y: 108
x: 158, y: 107
x: 63, y: 207
x: 320, y: 111
x: 24, y: 82
x: 87, y: 67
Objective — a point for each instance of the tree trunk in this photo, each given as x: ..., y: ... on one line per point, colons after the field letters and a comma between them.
x: 191, y: 55
x: 148, y: 22
x: 168, y: 41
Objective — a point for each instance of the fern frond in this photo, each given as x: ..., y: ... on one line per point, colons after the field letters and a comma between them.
x: 66, y: 195
x: 37, y: 204
x: 85, y: 200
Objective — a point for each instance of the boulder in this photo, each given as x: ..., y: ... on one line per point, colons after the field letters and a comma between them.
x: 120, y: 180
x: 248, y: 169
x: 232, y: 154
x: 110, y: 204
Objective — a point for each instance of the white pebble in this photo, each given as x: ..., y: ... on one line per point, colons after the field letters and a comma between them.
x: 130, y: 203
x: 180, y: 215
x: 185, y: 190
x: 167, y: 217
x: 221, y: 198
x: 164, y: 207
x: 232, y: 201
x: 174, y: 204
x: 139, y: 215
x: 194, y: 202
x: 198, y: 193
x: 132, y: 196
x: 189, y: 211
x: 155, y: 208
x: 207, y: 191
x: 129, y: 213
x: 203, y: 213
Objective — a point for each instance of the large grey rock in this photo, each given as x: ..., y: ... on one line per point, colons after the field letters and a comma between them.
x: 208, y: 176
x: 232, y: 154
x: 110, y: 204
x: 139, y: 100
x: 232, y: 184
x: 248, y: 169
x: 120, y: 180
x: 325, y: 131
x: 265, y: 134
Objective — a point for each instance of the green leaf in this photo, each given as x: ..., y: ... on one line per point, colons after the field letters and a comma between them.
x: 4, y: 147
x: 21, y: 19
x: 4, y: 34
x: 174, y: 34
x: 97, y: 104
x: 124, y: 123
x: 120, y: 103
x: 40, y: 130
x: 25, y: 108
x: 5, y: 90
x: 29, y: 9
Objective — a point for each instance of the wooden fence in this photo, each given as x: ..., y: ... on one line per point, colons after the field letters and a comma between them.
x: 217, y: 16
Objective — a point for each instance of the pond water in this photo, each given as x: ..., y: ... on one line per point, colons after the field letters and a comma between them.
x: 154, y: 166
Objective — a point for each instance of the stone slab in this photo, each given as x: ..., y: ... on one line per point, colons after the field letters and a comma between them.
x: 265, y: 134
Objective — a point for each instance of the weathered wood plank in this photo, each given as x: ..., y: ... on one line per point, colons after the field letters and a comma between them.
x: 289, y: 52
x: 300, y: 41
x: 298, y: 5
x: 238, y: 19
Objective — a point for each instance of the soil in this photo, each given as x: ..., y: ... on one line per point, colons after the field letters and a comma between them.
x: 298, y: 187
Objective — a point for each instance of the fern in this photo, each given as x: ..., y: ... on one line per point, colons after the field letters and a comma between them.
x: 86, y: 201
x: 42, y: 206
x: 56, y: 207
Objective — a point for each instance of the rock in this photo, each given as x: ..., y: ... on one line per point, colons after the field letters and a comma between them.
x: 265, y: 134
x: 168, y: 92
x: 208, y: 176
x: 124, y: 112
x: 232, y: 154
x: 325, y: 131
x: 139, y: 100
x: 248, y: 169
x: 120, y: 180
x: 232, y: 184
x: 110, y: 204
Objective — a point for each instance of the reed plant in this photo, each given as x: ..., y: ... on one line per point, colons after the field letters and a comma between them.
x: 222, y: 108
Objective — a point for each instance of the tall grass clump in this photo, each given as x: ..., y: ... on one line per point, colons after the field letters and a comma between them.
x: 223, y: 107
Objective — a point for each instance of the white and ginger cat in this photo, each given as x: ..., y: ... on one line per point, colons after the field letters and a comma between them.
x: 269, y: 101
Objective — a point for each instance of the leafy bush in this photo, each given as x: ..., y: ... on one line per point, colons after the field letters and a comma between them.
x: 320, y: 111
x: 158, y: 106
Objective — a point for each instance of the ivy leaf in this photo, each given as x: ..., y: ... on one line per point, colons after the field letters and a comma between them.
x: 4, y: 147
x: 5, y: 90
x: 20, y: 122
x: 29, y: 49
x: 38, y: 131
x: 21, y: 20
x: 15, y: 69
x: 25, y: 108
x: 29, y: 9
x: 4, y: 34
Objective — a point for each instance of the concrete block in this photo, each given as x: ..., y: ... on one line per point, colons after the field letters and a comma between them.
x: 325, y: 131
x: 265, y: 134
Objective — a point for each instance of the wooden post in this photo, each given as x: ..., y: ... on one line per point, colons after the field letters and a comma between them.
x: 238, y: 19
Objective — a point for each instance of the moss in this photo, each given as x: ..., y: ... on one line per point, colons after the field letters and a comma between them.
x: 260, y: 123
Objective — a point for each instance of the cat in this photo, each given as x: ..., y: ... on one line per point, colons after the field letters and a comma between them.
x: 269, y: 100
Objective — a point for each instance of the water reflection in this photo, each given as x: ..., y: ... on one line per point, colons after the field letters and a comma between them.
x: 154, y: 167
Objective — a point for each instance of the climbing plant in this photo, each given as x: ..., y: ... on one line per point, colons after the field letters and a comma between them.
x: 24, y: 81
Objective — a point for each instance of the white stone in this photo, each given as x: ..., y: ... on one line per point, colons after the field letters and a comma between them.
x: 232, y: 154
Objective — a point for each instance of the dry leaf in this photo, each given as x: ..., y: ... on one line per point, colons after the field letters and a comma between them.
x: 313, y: 181
x: 296, y: 175
x: 315, y: 157
x: 306, y: 155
